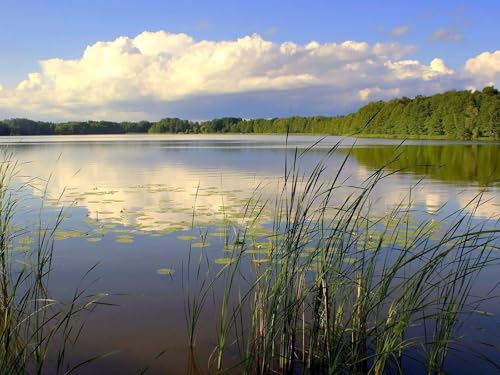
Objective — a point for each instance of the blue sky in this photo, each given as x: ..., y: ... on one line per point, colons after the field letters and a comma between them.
x: 34, y: 31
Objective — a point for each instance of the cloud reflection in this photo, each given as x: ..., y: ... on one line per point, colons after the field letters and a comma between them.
x: 153, y: 186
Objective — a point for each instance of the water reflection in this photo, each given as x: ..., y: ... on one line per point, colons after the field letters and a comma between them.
x: 477, y: 164
x: 128, y: 190
x: 154, y: 185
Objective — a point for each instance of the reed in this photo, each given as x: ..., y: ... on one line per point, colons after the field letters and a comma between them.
x: 341, y: 291
x: 36, y: 330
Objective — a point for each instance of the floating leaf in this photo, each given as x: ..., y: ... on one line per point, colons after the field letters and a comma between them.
x: 261, y: 260
x: 349, y: 260
x: 94, y: 239
x: 231, y: 247
x: 187, y: 238
x: 200, y: 244
x: 26, y: 240
x: 22, y: 248
x: 223, y: 261
x: 65, y: 234
x: 165, y: 271
x: 125, y: 239
x: 263, y: 245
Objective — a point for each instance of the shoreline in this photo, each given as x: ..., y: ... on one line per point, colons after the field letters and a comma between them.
x: 402, y: 137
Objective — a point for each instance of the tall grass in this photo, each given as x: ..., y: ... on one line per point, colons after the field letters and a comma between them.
x: 36, y: 330
x: 338, y: 290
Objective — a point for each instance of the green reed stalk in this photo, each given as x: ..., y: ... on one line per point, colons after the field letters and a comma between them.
x: 35, y: 329
x: 342, y: 289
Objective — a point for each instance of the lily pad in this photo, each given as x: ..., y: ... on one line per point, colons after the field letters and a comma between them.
x: 65, y: 234
x: 349, y: 260
x: 22, y: 248
x: 165, y: 271
x: 187, y: 238
x: 25, y: 240
x: 200, y: 244
x: 223, y: 261
x: 232, y: 247
x: 125, y: 239
x: 261, y: 260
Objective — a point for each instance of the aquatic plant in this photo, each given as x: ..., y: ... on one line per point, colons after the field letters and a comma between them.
x: 339, y: 290
x: 36, y: 330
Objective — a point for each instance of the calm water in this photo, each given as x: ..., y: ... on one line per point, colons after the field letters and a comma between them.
x: 129, y: 198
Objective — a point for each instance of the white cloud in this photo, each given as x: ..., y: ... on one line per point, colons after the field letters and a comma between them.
x: 413, y: 69
x: 159, y: 74
x: 400, y: 30
x: 484, y: 67
x: 368, y: 94
x: 438, y: 66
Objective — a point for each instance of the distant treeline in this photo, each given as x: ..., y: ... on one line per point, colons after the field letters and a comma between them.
x: 453, y: 114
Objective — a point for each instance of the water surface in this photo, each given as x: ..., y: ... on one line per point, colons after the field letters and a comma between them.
x: 129, y: 198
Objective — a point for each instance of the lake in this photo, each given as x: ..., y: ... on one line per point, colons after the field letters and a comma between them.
x: 135, y: 206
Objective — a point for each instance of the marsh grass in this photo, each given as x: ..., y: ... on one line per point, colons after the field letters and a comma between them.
x: 36, y: 330
x: 337, y: 290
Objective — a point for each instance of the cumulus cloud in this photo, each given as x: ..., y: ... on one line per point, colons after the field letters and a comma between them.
x: 400, y: 30
x: 156, y: 74
x: 446, y: 35
x: 485, y: 67
x: 368, y: 94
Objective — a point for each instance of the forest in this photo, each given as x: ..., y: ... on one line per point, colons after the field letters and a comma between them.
x: 463, y: 115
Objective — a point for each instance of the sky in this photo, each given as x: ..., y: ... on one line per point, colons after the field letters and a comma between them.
x: 145, y: 60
